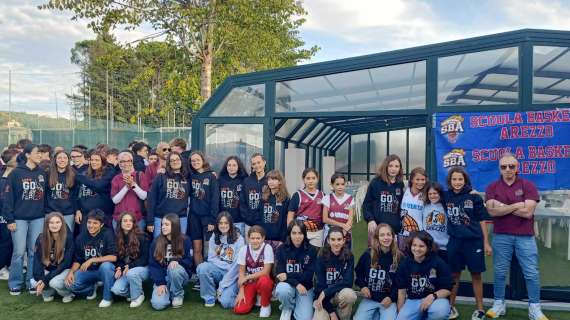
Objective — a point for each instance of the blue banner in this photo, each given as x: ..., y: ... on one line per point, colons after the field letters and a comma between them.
x: 539, y: 139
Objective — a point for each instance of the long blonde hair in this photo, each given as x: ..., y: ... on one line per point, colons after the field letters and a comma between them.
x: 49, y: 241
x: 375, y: 249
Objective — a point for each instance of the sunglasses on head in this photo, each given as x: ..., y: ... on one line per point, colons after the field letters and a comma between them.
x: 510, y: 166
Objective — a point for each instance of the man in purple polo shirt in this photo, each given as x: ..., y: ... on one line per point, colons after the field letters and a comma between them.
x: 511, y: 201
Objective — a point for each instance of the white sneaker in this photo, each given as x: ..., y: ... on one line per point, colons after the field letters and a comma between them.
x: 93, y: 295
x: 177, y: 302
x: 137, y: 302
x: 4, y: 273
x: 535, y: 313
x: 265, y: 312
x: 105, y: 303
x: 68, y: 299
x: 48, y: 299
x: 498, y: 309
x: 286, y: 314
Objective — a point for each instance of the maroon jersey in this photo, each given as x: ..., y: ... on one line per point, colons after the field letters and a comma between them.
x: 254, y: 266
x: 311, y: 210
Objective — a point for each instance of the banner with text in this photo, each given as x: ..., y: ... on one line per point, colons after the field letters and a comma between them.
x: 539, y: 139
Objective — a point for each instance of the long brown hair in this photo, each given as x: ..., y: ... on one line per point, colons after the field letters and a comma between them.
x: 375, y: 249
x: 282, y: 192
x: 382, y: 171
x: 99, y: 172
x: 54, y: 173
x: 51, y: 242
x: 132, y: 246
x: 176, y: 239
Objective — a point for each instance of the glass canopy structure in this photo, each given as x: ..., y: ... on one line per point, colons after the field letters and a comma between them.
x: 361, y: 109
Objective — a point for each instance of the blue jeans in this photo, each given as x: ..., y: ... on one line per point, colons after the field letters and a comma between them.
x: 70, y: 222
x: 56, y: 284
x: 210, y: 276
x: 439, y: 310
x: 302, y: 305
x: 370, y: 309
x: 23, y: 240
x: 158, y: 222
x: 131, y: 284
x: 141, y: 224
x: 176, y: 279
x: 527, y: 254
x: 84, y: 282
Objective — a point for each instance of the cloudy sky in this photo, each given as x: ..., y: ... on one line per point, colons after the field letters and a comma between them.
x: 36, y: 44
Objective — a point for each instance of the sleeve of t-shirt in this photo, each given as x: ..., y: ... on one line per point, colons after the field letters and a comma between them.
x: 241, y: 256
x: 530, y: 191
x: 326, y: 201
x: 351, y: 204
x: 268, y: 256
x: 490, y: 192
x: 294, y: 203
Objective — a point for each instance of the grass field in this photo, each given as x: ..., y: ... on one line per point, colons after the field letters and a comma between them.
x: 27, y: 307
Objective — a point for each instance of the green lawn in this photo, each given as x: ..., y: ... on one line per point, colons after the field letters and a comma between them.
x: 30, y: 307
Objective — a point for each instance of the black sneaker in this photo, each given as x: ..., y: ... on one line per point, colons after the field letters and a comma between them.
x: 15, y: 291
x: 478, y: 315
x: 196, y: 286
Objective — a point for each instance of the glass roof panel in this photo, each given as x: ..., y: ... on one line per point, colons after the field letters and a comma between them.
x: 303, y: 129
x: 286, y: 129
x: 478, y: 76
x: 393, y: 87
x: 248, y: 101
x: 313, y: 132
x: 551, y: 69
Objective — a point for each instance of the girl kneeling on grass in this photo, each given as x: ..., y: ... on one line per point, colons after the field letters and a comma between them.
x: 468, y: 239
x: 376, y: 276
x: 53, y: 258
x: 131, y: 268
x: 255, y: 262
x: 295, y: 270
x: 335, y: 275
x: 170, y: 264
x: 221, y: 268
x: 424, y: 281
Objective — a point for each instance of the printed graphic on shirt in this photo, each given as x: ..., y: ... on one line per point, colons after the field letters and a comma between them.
x: 420, y: 283
x: 270, y: 214
x: 60, y: 192
x: 456, y: 214
x: 378, y: 281
x: 253, y: 199
x: 176, y: 189
x: 229, y: 198
x: 332, y: 275
x: 225, y: 252
x: 292, y: 266
x: 86, y: 192
x: 52, y: 254
x: 32, y: 189
x: 168, y: 256
x: 198, y: 188
x: 93, y: 251
x: 389, y: 203
x: 435, y: 221
x: 409, y: 224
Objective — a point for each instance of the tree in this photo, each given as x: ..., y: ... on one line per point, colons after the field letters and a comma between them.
x: 246, y: 35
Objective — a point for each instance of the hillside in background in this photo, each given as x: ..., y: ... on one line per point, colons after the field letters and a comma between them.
x: 33, y: 121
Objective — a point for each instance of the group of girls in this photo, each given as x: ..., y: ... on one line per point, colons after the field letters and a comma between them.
x: 194, y: 213
x: 455, y: 220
